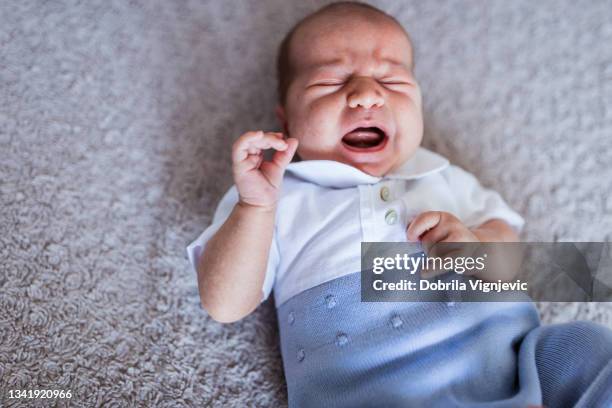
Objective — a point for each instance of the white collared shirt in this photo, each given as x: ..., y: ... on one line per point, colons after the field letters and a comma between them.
x: 327, y: 208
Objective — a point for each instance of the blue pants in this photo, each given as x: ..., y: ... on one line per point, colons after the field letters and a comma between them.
x: 340, y: 352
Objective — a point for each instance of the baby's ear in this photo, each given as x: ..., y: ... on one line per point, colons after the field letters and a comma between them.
x: 282, y: 119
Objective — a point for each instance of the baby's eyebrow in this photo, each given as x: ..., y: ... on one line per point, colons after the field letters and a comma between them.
x: 395, y: 63
x: 340, y: 64
x: 331, y: 64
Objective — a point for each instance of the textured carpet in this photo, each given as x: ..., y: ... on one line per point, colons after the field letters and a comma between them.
x: 116, y: 121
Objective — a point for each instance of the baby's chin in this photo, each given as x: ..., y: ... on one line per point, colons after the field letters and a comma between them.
x: 375, y: 169
x: 381, y: 165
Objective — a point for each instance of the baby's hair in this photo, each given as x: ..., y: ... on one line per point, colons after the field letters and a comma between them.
x: 284, y: 70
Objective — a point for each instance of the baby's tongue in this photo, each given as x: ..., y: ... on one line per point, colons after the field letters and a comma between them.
x: 362, y: 137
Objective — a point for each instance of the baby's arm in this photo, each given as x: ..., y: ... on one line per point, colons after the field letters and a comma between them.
x: 232, y: 267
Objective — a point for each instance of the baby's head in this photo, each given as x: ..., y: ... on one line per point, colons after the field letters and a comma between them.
x: 347, y: 91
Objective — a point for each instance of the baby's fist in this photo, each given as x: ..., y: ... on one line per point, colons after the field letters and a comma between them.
x: 433, y: 227
x: 258, y: 181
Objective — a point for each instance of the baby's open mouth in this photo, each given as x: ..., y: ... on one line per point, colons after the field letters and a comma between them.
x: 364, y: 138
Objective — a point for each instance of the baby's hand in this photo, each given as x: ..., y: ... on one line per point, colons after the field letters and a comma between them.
x: 432, y: 227
x: 258, y: 181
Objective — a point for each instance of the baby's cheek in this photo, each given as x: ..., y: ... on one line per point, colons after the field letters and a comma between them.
x: 407, y: 103
x: 314, y: 144
x: 328, y: 107
x: 325, y: 119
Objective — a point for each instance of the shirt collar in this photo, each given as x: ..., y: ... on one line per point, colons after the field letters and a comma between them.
x: 328, y: 173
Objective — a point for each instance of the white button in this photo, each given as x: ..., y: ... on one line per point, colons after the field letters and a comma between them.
x: 385, y: 193
x: 391, y: 217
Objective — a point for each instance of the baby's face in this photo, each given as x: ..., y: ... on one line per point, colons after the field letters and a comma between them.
x: 353, y: 97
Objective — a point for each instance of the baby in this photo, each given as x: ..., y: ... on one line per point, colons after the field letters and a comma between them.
x: 351, y: 110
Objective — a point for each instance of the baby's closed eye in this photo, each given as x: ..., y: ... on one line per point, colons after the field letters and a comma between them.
x: 329, y: 83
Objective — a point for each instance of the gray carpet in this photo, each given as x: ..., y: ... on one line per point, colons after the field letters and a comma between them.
x: 116, y: 121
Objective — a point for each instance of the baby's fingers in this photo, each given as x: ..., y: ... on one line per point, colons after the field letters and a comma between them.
x: 282, y: 158
x: 254, y: 143
x: 274, y: 169
x: 422, y: 223
x: 274, y: 140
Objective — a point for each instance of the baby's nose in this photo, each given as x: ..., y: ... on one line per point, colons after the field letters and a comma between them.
x: 365, y: 94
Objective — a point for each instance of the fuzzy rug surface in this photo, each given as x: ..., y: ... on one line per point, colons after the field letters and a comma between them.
x: 116, y: 121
